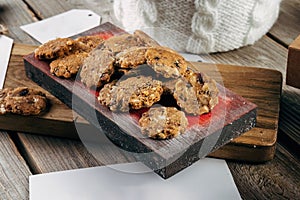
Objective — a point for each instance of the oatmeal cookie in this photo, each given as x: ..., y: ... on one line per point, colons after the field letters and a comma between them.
x: 55, y: 48
x: 197, y: 94
x: 132, y: 57
x: 91, y: 41
x: 23, y: 101
x: 119, y: 43
x: 146, y: 95
x: 166, y: 62
x: 131, y: 93
x: 97, y: 68
x: 87, y: 43
x: 67, y: 66
x: 3, y: 95
x: 163, y: 122
x: 205, y: 87
x: 104, y: 97
x: 102, y: 61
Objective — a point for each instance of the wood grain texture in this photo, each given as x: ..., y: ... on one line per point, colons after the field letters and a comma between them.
x: 14, y: 172
x: 270, y: 56
x: 48, y: 154
x: 268, y: 53
x: 265, y: 53
x: 277, y: 179
x: 261, y: 136
x: 287, y: 27
x: 13, y: 14
x: 264, y: 135
x: 233, y: 116
x: 45, y: 9
x: 59, y: 121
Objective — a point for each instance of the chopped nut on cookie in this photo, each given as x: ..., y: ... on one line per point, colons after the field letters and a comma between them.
x: 163, y: 122
x: 67, y: 66
x: 54, y: 48
x: 131, y: 93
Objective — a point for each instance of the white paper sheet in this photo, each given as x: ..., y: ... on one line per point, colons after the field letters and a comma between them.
x: 65, y: 24
x: 6, y: 44
x: 205, y: 179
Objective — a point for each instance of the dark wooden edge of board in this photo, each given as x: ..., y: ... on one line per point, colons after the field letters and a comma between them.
x: 165, y: 163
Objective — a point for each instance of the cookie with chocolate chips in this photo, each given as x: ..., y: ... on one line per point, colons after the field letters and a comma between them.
x: 196, y: 93
x: 23, y: 101
x: 166, y: 62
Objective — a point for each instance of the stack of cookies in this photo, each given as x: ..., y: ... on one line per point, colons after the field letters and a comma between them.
x: 132, y: 72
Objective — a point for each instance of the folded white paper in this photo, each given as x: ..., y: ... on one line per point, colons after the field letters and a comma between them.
x: 66, y: 24
x: 6, y: 44
x: 205, y: 179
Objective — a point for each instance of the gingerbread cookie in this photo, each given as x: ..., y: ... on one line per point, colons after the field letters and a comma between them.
x: 163, y: 122
x: 23, y: 101
x: 166, y: 62
x: 55, y: 48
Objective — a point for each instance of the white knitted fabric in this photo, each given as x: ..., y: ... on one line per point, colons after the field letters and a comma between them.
x: 199, y: 26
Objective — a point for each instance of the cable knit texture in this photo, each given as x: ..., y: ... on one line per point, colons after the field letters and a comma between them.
x: 199, y: 26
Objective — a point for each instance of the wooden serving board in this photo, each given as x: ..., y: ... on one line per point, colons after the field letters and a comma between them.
x: 261, y: 86
x: 231, y: 117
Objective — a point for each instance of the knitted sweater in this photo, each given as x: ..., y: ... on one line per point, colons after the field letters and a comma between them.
x: 199, y: 26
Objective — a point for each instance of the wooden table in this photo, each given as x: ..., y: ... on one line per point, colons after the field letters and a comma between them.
x: 22, y: 155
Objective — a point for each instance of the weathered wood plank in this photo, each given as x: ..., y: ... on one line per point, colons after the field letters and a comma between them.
x: 45, y: 9
x: 277, y: 179
x: 14, y: 172
x: 48, y: 154
x: 59, y: 120
x: 267, y: 82
x: 13, y: 14
x: 265, y: 53
x: 287, y: 27
x: 247, y: 187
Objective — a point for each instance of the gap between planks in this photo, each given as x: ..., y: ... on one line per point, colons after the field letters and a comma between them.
x: 32, y: 12
x: 21, y: 149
